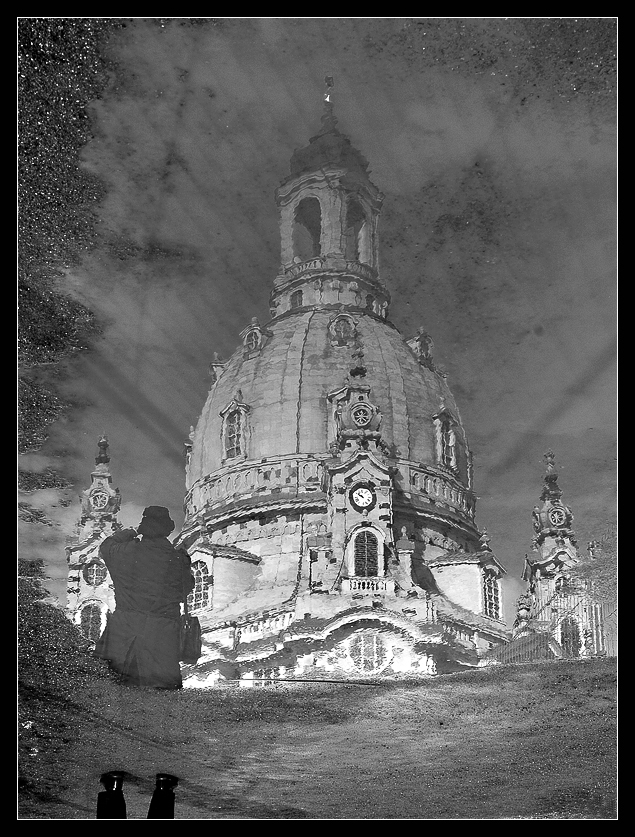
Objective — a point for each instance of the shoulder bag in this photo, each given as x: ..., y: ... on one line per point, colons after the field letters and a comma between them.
x: 191, y: 646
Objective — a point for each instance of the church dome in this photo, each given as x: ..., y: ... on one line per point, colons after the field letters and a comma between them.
x: 329, y: 513
x: 282, y: 390
x: 278, y: 408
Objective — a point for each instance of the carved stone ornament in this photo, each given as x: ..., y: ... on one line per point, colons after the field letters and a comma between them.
x: 356, y: 418
x: 342, y: 330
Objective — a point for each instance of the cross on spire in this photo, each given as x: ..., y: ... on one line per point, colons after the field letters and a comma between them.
x: 328, y: 119
x: 103, y: 458
x: 551, y: 490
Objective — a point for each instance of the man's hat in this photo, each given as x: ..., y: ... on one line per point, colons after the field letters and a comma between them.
x: 156, y: 522
x: 158, y: 513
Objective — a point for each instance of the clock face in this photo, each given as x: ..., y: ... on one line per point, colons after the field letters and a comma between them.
x: 99, y: 499
x: 557, y: 517
x: 362, y: 497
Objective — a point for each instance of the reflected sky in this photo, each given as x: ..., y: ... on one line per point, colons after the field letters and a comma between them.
x: 493, y: 141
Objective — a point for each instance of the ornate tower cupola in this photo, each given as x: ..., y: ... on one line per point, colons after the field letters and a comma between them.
x: 100, y: 502
x: 552, y: 521
x: 329, y: 212
x: 554, y: 539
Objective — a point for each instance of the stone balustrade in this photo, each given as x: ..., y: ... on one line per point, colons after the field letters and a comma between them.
x: 430, y: 614
x: 458, y: 632
x: 442, y: 490
x: 284, y: 476
x: 295, y: 474
x: 368, y: 584
x: 326, y: 263
x: 300, y: 267
x: 270, y: 625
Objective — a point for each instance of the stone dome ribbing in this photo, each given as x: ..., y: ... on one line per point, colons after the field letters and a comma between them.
x: 286, y: 388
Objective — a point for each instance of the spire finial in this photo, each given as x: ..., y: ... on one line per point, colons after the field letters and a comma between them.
x: 551, y: 490
x: 102, y: 458
x: 328, y: 119
x: 330, y: 84
x: 484, y: 540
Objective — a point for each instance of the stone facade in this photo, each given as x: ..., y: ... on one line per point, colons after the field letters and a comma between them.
x: 90, y: 593
x: 330, y: 514
x: 555, y: 603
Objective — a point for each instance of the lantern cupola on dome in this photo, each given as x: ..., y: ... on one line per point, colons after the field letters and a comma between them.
x: 329, y: 211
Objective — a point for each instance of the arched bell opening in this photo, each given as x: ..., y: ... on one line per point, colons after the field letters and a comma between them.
x: 356, y: 232
x: 307, y: 229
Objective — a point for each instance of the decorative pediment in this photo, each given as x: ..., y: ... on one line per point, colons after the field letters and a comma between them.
x: 489, y: 564
x: 236, y: 403
x: 199, y: 543
x: 363, y: 464
x: 362, y: 485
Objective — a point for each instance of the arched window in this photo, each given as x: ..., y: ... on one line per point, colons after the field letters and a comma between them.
x: 307, y: 229
x: 233, y: 434
x: 368, y: 652
x: 296, y: 299
x: 370, y: 301
x: 94, y: 573
x: 570, y: 637
x: 90, y: 622
x: 366, y: 554
x: 353, y: 230
x: 491, y: 596
x: 199, y: 598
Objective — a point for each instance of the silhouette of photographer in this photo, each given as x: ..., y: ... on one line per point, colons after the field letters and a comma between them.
x: 151, y: 578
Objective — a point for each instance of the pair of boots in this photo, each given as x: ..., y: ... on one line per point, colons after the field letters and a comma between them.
x: 111, y: 804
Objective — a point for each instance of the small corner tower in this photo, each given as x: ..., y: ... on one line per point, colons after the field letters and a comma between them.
x: 90, y: 594
x: 557, y: 605
x: 554, y: 540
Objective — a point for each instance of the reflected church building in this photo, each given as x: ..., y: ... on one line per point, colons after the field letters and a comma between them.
x: 330, y: 511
